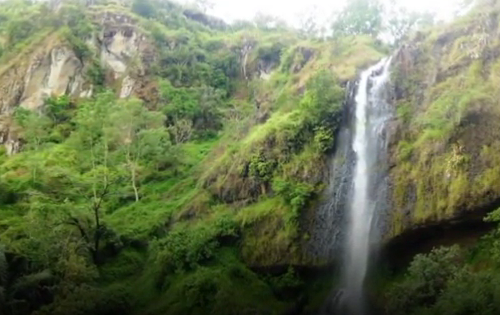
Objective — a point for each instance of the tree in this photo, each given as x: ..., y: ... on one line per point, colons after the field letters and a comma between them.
x: 92, y: 142
x: 209, y: 115
x: 191, y: 107
x: 57, y: 108
x: 34, y: 130
x: 130, y: 128
x: 143, y: 8
x: 204, y: 5
x: 91, y: 228
x: 401, y: 21
x: 3, y: 276
x: 464, y: 6
x: 268, y: 22
x: 426, y: 278
x: 308, y: 22
x: 156, y: 148
x: 91, y: 119
x: 181, y: 131
x: 359, y: 17
x: 242, y: 24
x: 19, y: 29
x: 34, y: 127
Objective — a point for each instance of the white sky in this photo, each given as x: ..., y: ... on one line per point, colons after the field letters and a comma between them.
x: 290, y: 10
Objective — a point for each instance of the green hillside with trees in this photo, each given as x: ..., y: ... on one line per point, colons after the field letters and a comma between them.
x: 192, y: 193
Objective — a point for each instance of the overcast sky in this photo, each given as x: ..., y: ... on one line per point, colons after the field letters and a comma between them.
x: 290, y: 10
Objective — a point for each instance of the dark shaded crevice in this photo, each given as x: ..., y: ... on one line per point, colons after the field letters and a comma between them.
x: 463, y: 229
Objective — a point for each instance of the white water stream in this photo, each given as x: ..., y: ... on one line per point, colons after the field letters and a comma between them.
x: 372, y: 114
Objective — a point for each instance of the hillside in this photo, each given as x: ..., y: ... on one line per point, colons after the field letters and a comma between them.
x: 446, y: 144
x: 158, y: 160
x: 444, y: 175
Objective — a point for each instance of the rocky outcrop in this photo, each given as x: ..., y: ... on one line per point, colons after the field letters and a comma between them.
x: 127, y: 87
x: 119, y: 48
x: 56, y: 71
x: 53, y: 68
x: 124, y: 50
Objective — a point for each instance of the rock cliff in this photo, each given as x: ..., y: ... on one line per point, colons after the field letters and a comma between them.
x: 53, y: 67
x: 445, y: 150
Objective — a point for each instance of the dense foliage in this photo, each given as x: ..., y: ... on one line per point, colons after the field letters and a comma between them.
x: 198, y: 188
x: 450, y: 280
x: 162, y: 203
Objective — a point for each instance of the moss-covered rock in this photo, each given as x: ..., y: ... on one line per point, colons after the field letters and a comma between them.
x: 446, y: 147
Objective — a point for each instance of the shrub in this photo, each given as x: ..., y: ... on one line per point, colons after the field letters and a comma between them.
x: 56, y: 107
x: 187, y: 247
x: 427, y: 276
x: 88, y: 300
x: 323, y: 139
x: 295, y: 194
x: 286, y: 281
x: 96, y: 73
x: 470, y: 293
x: 322, y: 101
x: 261, y: 168
x: 78, y: 45
x: 143, y: 8
x: 20, y: 29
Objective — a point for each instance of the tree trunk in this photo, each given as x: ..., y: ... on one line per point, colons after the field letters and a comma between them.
x: 131, y: 165
x: 245, y: 57
x: 134, y: 184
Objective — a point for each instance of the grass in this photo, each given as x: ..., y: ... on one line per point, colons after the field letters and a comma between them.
x: 20, y: 51
x: 267, y: 238
x: 128, y: 264
x: 254, y: 213
x: 224, y: 280
x: 438, y: 122
x: 200, y: 243
x: 164, y: 198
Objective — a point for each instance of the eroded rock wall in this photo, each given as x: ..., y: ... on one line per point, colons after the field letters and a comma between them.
x: 446, y: 151
x: 53, y: 68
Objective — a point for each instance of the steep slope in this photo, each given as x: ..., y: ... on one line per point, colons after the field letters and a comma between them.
x: 445, y: 150
x: 158, y: 160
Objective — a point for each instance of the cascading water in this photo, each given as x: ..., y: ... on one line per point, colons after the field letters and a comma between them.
x: 370, y: 147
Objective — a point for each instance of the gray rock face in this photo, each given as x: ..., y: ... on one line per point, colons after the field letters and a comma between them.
x: 55, y: 72
x: 53, y: 69
x: 127, y: 87
x: 50, y: 70
x: 118, y: 49
x: 329, y: 221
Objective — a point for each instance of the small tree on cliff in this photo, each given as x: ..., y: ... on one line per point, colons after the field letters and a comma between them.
x: 138, y: 133
x: 359, y: 17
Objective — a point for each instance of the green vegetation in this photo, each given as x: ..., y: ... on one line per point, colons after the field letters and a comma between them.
x: 446, y: 155
x: 185, y: 196
x: 446, y: 166
x: 193, y: 195
x: 448, y: 280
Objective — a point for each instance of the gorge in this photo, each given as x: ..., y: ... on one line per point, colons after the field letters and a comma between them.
x: 158, y: 160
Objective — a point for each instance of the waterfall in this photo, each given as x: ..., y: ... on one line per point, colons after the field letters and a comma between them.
x: 369, y: 145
